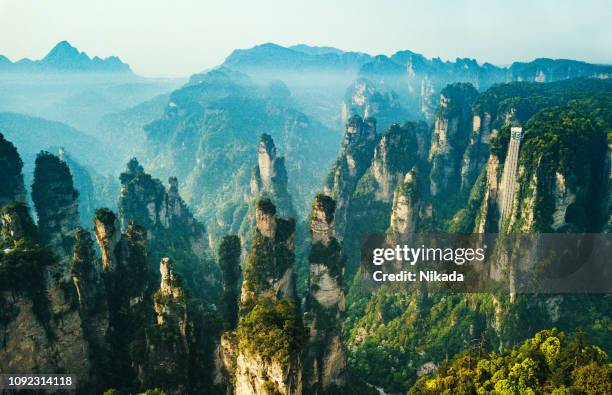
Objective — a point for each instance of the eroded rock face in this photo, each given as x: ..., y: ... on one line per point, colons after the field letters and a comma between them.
x: 270, y: 177
x: 488, y: 219
x: 170, y: 283
x: 354, y: 159
x: 452, y: 129
x: 172, y: 230
x: 169, y: 342
x: 41, y: 329
x: 406, y: 205
x: 396, y: 152
x: 269, y: 268
x: 108, y: 234
x: 325, y: 362
x: 257, y: 377
x: 92, y: 298
x: 169, y: 303
x: 144, y: 199
x: 268, y: 296
x: 56, y: 203
x: 322, y: 219
x: 265, y: 220
x: 477, y: 152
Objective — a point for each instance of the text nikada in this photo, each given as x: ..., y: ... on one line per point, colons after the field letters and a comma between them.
x: 421, y: 276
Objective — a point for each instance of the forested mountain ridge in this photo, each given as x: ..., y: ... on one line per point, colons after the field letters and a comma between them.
x: 566, y: 127
x: 215, y: 122
x: 321, y: 79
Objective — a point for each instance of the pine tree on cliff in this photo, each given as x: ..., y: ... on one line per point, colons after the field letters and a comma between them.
x: 229, y: 261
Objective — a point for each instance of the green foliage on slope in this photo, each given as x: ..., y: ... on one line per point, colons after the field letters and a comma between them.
x: 272, y: 329
x: 548, y: 363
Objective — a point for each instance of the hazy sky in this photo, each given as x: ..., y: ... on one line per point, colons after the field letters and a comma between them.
x: 180, y: 37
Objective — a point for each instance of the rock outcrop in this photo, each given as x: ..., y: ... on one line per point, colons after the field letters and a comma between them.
x: 93, y: 304
x: 270, y: 331
x: 269, y: 178
x: 144, y: 200
x: 11, y: 177
x: 452, y: 130
x: 325, y: 360
x: 56, y: 203
x: 364, y: 195
x: 406, y: 205
x: 172, y: 230
x: 168, y: 342
x: 354, y: 159
x: 41, y: 326
x: 229, y: 262
x: 396, y: 153
x: 128, y: 280
x: 64, y: 309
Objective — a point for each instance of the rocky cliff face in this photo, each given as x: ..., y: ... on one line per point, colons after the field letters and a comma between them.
x: 268, y: 181
x: 128, y: 280
x: 396, y: 152
x: 406, y: 205
x: 169, y: 342
x: 269, y: 269
x: 144, y: 199
x: 56, y: 203
x: 544, y: 199
x: 269, y: 178
x: 452, y: 130
x: 41, y: 325
x: 86, y: 271
x: 229, y: 262
x: 12, y: 190
x: 365, y: 195
x: 63, y: 309
x: 354, y: 159
x: 325, y: 361
x: 171, y: 228
x: 270, y: 327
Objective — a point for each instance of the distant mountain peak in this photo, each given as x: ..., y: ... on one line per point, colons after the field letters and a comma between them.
x: 63, y: 48
x: 316, y: 50
x: 64, y: 57
x: 298, y: 57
